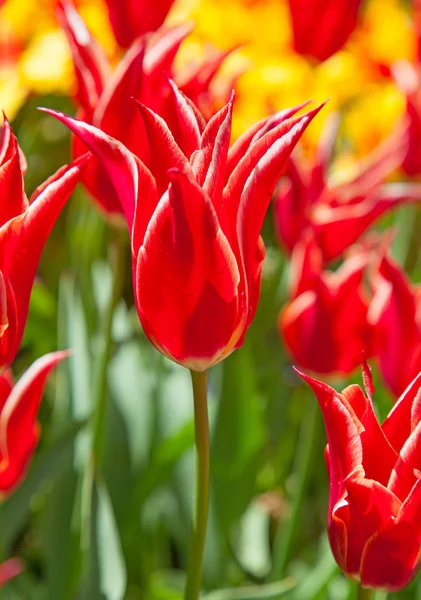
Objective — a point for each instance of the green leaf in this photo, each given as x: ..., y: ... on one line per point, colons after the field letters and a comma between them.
x: 111, y: 567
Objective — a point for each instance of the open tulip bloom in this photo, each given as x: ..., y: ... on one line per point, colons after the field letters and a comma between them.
x: 104, y: 96
x: 194, y: 218
x: 324, y: 325
x: 24, y: 229
x: 338, y: 213
x: 375, y: 485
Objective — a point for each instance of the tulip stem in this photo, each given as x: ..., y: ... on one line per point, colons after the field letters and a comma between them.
x: 118, y: 255
x: 364, y: 593
x: 198, y: 535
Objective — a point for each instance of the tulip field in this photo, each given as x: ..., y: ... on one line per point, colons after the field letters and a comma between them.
x: 210, y: 301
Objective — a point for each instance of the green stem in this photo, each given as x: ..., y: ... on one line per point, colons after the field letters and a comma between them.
x: 364, y: 593
x: 118, y: 256
x: 198, y: 535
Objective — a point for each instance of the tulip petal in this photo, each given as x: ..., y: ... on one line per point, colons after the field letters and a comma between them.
x: 11, y: 178
x: 116, y: 113
x: 165, y: 152
x: 371, y: 505
x: 91, y: 65
x: 256, y: 132
x: 120, y: 163
x: 343, y: 431
x: 219, y: 125
x: 188, y: 128
x: 132, y: 18
x: 273, y: 147
x: 338, y: 226
x: 372, y: 437
x: 215, y: 152
x: 393, y: 317
x: 408, y: 467
x: 160, y: 53
x: 21, y: 242
x: 390, y: 557
x: 19, y: 431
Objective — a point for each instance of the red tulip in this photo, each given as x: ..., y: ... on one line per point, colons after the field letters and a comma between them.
x: 19, y: 431
x: 195, y: 219
x: 338, y: 213
x: 321, y: 28
x: 375, y: 487
x: 24, y: 229
x: 130, y: 18
x: 9, y: 569
x: 325, y: 326
x: 395, y: 315
x: 105, y: 98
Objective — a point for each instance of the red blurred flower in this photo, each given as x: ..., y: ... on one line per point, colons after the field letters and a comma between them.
x: 9, y: 569
x: 375, y: 486
x: 104, y: 96
x: 24, y: 228
x: 338, y: 213
x: 130, y: 18
x: 395, y: 315
x: 195, y: 220
x: 321, y: 28
x: 408, y: 79
x: 19, y: 431
x: 325, y: 326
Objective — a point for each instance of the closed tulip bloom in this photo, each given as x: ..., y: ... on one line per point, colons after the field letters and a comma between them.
x: 338, y: 213
x: 195, y: 218
x: 130, y: 18
x: 24, y: 229
x: 321, y: 28
x: 103, y: 95
x: 395, y: 317
x: 375, y: 486
x: 324, y: 325
x: 19, y: 431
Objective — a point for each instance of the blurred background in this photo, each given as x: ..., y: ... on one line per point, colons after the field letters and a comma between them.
x: 125, y: 536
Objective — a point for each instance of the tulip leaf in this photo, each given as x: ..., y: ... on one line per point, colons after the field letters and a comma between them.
x: 112, y: 572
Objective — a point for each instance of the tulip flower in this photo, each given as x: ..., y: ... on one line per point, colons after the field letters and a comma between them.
x: 104, y: 97
x: 19, y: 431
x: 321, y: 28
x: 194, y: 218
x: 24, y: 229
x: 395, y: 316
x: 375, y: 492
x: 338, y: 213
x: 9, y: 569
x: 130, y: 18
x: 324, y: 325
